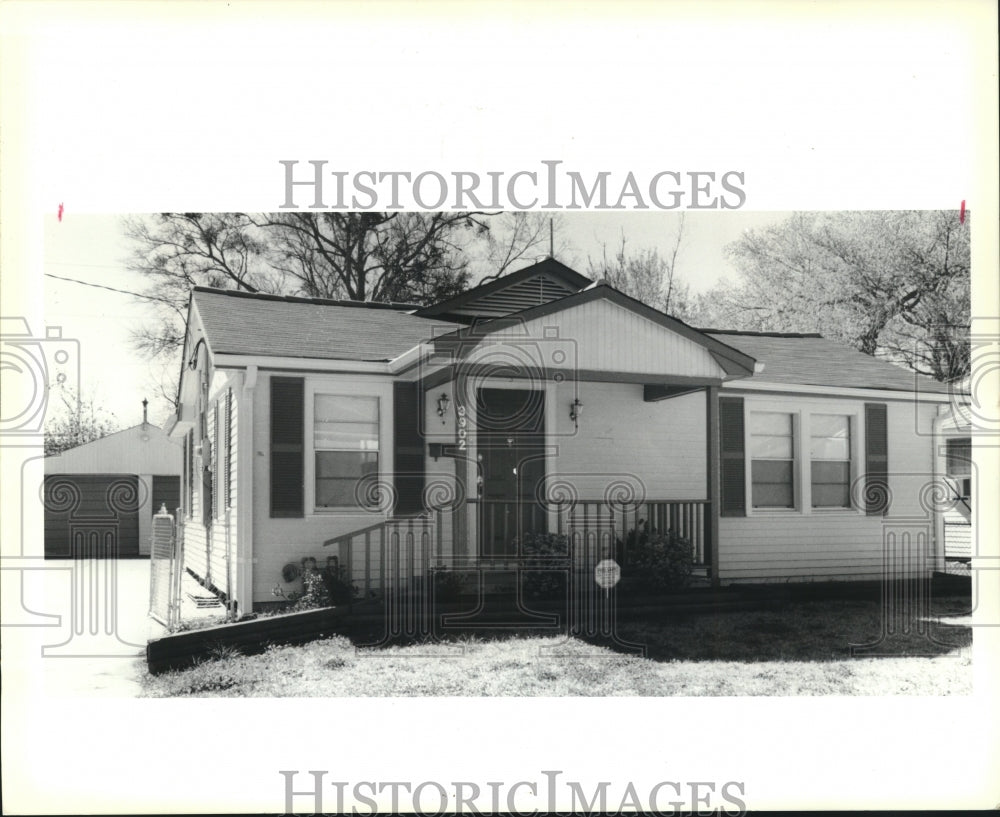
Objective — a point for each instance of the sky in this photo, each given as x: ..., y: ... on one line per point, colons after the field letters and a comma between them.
x: 91, y: 248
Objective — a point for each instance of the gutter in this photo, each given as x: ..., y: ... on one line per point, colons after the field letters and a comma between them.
x: 837, y: 391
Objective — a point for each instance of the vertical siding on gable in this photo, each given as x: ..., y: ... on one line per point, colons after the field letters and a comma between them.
x: 607, y: 337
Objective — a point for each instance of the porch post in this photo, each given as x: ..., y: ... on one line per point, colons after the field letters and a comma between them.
x: 714, y: 497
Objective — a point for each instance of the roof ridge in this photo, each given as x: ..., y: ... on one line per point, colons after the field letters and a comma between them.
x: 104, y: 437
x: 263, y: 296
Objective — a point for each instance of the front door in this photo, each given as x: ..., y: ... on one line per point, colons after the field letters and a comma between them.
x: 510, y: 427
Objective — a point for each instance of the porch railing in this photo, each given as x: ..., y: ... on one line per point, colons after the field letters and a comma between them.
x: 400, y: 552
x: 610, y: 529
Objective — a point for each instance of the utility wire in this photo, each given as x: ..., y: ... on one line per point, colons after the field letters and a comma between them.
x: 110, y: 289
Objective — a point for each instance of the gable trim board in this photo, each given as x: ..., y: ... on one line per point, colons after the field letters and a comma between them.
x: 548, y: 268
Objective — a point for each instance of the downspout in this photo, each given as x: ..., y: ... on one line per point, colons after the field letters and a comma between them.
x: 937, y: 441
x: 245, y: 494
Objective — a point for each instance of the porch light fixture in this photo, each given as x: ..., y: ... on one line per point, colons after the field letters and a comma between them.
x: 443, y: 402
x: 575, y: 410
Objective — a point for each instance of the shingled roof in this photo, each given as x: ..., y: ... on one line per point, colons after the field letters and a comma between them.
x: 812, y: 360
x: 250, y: 324
x: 244, y: 324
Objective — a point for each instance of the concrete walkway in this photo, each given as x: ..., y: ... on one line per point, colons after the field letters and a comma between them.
x: 88, y: 628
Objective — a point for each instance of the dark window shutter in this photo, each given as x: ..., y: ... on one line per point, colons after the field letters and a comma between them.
x: 190, y: 475
x: 876, y: 459
x: 408, y: 450
x: 216, y: 460
x: 732, y: 457
x: 229, y: 448
x: 287, y: 451
x: 186, y: 477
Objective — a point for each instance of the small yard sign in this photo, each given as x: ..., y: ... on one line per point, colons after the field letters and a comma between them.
x: 607, y: 573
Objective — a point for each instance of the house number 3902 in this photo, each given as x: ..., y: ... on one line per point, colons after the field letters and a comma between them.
x: 463, y: 428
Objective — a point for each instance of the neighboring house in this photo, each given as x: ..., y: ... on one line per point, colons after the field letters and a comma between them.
x: 99, y: 498
x: 397, y: 438
x: 955, y: 461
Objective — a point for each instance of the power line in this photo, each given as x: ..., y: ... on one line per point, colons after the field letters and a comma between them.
x: 49, y: 263
x: 110, y: 289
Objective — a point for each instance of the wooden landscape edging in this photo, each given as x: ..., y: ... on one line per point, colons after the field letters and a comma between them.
x: 182, y: 650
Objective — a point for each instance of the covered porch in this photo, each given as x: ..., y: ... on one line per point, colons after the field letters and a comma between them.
x: 570, y: 434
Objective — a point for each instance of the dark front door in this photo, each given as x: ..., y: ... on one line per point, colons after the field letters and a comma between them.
x: 510, y: 426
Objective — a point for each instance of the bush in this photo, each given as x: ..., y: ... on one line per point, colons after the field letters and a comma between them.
x: 324, y: 587
x: 448, y: 584
x: 544, y: 565
x: 657, y: 561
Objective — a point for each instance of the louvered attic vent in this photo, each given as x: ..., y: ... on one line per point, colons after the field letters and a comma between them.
x: 535, y: 291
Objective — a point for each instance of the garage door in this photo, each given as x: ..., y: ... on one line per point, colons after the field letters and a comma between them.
x: 92, y: 515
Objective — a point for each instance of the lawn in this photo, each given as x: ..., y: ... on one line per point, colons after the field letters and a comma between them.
x: 802, y: 649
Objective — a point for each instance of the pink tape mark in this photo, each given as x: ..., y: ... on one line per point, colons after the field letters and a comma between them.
x: 59, y: 214
x: 961, y: 213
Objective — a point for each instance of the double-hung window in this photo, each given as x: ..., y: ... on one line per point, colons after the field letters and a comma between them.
x: 772, y: 459
x: 346, y: 448
x: 830, y: 460
x: 959, y: 465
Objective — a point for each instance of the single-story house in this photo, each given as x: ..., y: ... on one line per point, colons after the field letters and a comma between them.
x: 99, y: 498
x: 397, y: 438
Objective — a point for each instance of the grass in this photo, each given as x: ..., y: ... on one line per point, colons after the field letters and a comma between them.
x: 803, y: 649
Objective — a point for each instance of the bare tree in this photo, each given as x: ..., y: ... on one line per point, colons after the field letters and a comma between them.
x: 646, y: 275
x: 415, y: 258
x: 514, y: 237
x: 75, y: 420
x: 893, y: 284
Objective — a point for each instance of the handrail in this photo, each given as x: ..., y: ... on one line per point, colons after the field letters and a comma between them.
x: 370, y: 529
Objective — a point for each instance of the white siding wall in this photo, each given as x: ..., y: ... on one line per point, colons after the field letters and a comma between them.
x: 662, y: 445
x: 816, y: 545
x: 211, y: 551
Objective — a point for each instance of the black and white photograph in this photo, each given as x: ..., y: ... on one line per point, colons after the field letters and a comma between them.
x: 474, y: 443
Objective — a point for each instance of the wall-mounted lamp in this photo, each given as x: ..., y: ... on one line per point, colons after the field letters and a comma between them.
x: 575, y: 410
x: 443, y: 402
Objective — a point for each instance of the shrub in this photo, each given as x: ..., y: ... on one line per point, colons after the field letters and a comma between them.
x: 320, y: 587
x: 448, y: 584
x: 544, y: 565
x: 657, y: 561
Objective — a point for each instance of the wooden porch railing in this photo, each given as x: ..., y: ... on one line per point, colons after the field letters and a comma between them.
x: 398, y: 553
x: 596, y: 526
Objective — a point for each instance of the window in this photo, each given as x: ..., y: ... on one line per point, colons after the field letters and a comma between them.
x: 830, y: 458
x: 345, y: 442
x: 958, y: 465
x: 772, y: 464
